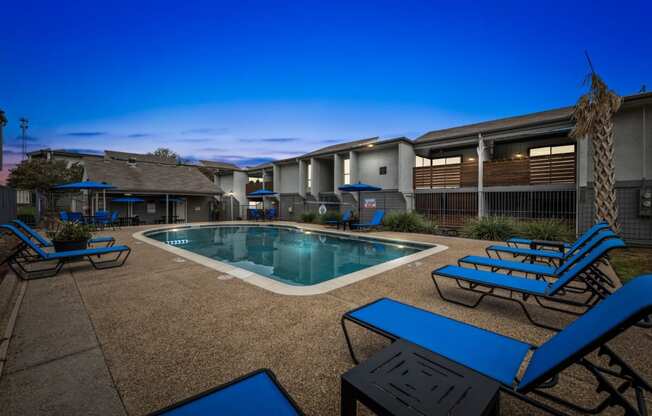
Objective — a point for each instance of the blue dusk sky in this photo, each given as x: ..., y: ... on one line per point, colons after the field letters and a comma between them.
x: 249, y: 81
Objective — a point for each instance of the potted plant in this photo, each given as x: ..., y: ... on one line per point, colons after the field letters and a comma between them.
x: 70, y: 235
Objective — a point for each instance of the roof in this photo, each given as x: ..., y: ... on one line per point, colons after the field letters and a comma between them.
x: 516, y: 122
x: 64, y: 152
x: 219, y: 165
x: 110, y: 154
x: 341, y: 147
x: 149, y: 177
x: 509, y: 123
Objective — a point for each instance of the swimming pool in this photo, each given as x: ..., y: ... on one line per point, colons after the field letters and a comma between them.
x: 287, y: 255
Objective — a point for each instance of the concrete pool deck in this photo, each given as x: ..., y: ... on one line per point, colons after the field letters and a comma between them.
x: 162, y: 328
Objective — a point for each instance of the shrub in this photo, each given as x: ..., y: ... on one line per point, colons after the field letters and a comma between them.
x: 308, y: 217
x: 490, y: 228
x: 329, y: 216
x: 408, y: 222
x: 549, y: 229
x: 70, y: 231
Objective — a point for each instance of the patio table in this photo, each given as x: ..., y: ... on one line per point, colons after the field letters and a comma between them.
x: 405, y: 379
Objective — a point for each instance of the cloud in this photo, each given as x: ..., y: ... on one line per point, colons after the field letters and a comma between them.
x: 207, y: 130
x: 212, y: 149
x: 138, y: 135
x: 272, y: 140
x: 85, y: 133
x: 330, y: 141
x: 28, y: 138
x: 194, y: 140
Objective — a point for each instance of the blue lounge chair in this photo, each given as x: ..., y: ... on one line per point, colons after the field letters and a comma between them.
x: 547, y: 255
x: 63, y: 216
x: 43, y: 242
x: 346, y: 217
x: 76, y: 217
x: 375, y: 222
x: 558, y: 245
x: 257, y: 393
x: 541, y: 271
x: 30, y: 254
x: 539, y: 290
x: 500, y: 357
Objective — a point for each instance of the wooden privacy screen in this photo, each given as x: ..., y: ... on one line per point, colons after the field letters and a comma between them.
x: 537, y: 170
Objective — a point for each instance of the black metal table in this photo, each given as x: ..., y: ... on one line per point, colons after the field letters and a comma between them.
x: 405, y: 379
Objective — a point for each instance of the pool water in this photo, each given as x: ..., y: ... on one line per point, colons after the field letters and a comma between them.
x: 286, y: 254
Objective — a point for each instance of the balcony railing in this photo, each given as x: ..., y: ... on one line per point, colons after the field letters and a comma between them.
x: 539, y: 170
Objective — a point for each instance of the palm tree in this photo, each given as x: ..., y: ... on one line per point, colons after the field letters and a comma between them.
x: 593, y: 114
x: 3, y: 123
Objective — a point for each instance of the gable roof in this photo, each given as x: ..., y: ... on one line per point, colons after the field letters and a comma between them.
x: 219, y: 165
x: 341, y: 147
x: 111, y: 154
x: 150, y: 177
x: 509, y: 123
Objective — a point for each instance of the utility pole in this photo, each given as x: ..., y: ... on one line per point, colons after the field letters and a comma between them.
x: 24, y: 126
x: 3, y: 123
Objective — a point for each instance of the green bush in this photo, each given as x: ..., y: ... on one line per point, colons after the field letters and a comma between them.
x: 490, y: 228
x: 308, y: 217
x: 26, y: 210
x: 408, y: 222
x: 70, y: 231
x: 329, y: 216
x: 549, y: 229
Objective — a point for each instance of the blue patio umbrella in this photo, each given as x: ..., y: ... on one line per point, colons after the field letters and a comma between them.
x: 128, y: 200
x: 85, y: 185
x: 358, y: 187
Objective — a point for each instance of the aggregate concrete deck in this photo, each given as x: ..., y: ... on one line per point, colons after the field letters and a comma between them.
x: 159, y: 329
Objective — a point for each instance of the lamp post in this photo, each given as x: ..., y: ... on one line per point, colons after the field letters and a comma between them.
x: 24, y: 125
x: 3, y: 123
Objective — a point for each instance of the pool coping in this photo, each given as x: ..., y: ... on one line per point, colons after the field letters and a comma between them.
x: 281, y: 288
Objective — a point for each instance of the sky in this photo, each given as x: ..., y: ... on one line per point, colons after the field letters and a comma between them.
x: 249, y: 81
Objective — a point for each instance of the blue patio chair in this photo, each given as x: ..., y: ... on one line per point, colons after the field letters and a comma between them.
x: 375, y: 222
x: 63, y: 216
x: 500, y: 358
x: 30, y: 254
x: 76, y: 217
x: 271, y: 214
x: 255, y: 214
x: 539, y: 290
x: 44, y: 242
x: 558, y: 256
x: 257, y: 393
x: 346, y: 217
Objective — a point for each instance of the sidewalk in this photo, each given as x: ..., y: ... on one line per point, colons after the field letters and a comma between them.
x: 55, y: 365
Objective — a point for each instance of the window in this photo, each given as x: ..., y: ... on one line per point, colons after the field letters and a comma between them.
x: 445, y: 161
x: 421, y: 162
x: 383, y: 170
x: 347, y: 171
x: 255, y: 179
x: 552, y: 150
x: 309, y: 176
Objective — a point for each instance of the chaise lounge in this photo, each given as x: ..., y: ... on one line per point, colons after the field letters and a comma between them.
x: 43, y: 242
x: 29, y: 254
x: 257, y: 393
x: 540, y: 290
x: 500, y: 357
x: 375, y: 222
x: 547, y: 255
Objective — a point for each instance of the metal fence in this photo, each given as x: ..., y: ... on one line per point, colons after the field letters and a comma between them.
x: 453, y: 208
x: 7, y: 204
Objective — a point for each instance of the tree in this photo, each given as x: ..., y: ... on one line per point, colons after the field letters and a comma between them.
x: 41, y: 175
x: 165, y: 153
x: 593, y: 115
